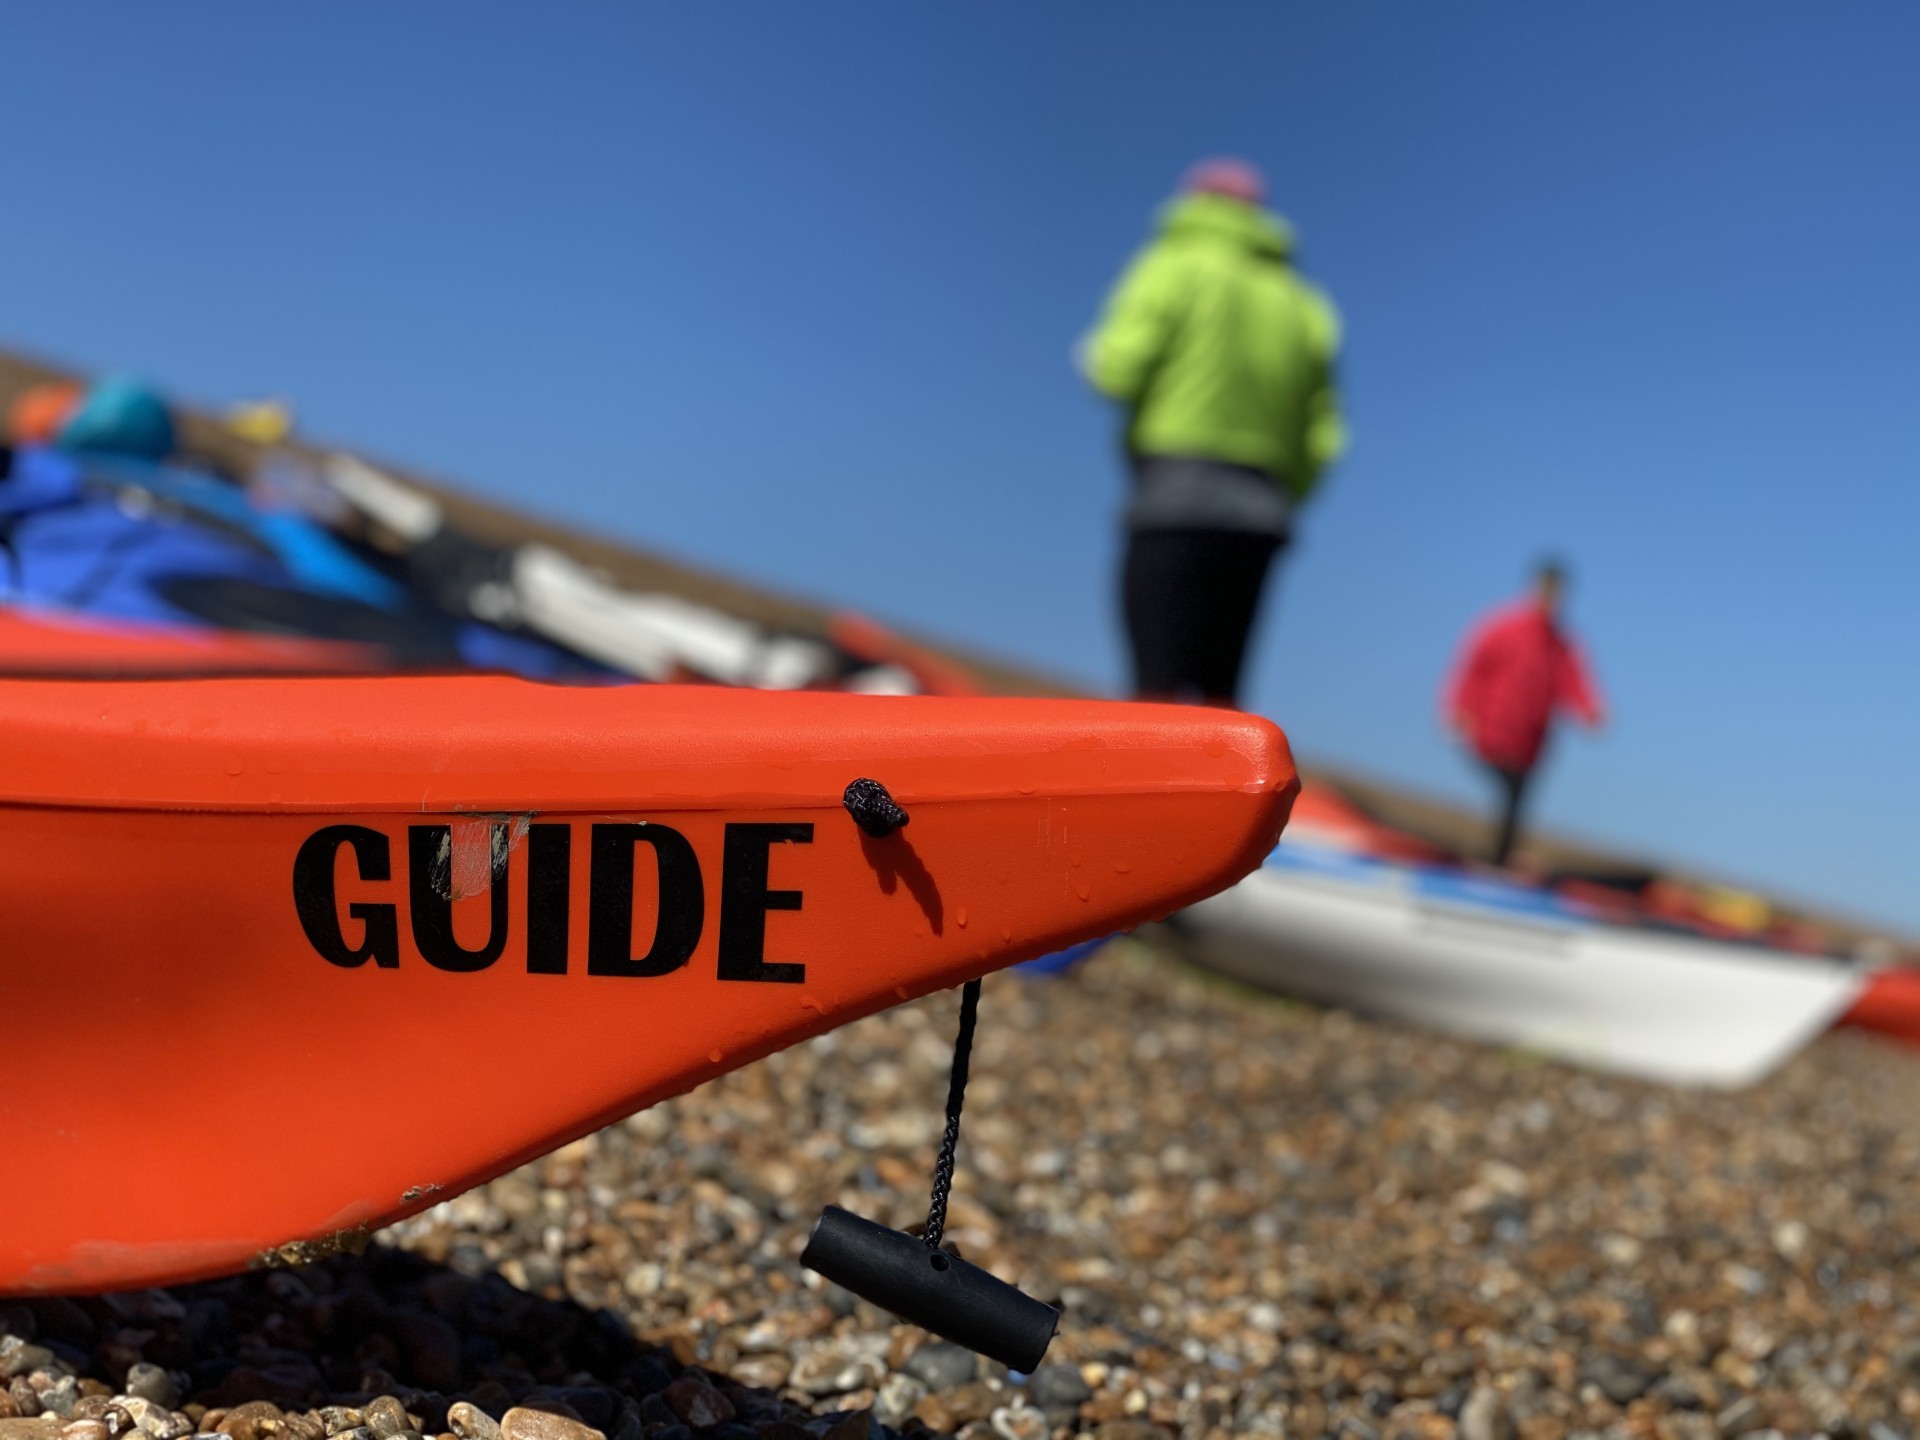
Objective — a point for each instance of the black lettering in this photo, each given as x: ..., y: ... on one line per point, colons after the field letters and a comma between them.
x: 430, y: 896
x: 683, y: 901
x: 314, y: 900
x: 549, y: 866
x: 745, y: 901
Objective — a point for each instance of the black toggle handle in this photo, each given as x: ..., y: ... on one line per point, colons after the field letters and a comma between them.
x: 931, y: 1288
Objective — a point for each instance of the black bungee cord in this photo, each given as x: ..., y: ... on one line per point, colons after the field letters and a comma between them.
x: 956, y: 1095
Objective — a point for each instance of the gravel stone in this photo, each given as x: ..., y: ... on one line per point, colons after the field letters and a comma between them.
x: 697, y: 1402
x: 1058, y: 1387
x: 470, y: 1422
x: 896, y: 1399
x: 1019, y: 1422
x: 153, y: 1419
x: 1619, y: 1379
x: 1484, y: 1416
x: 939, y: 1365
x: 521, y: 1423
x: 20, y: 1357
x: 59, y: 1397
x: 153, y: 1384
x: 834, y: 1370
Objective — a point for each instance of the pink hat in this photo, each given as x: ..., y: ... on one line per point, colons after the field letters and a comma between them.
x: 1234, y: 178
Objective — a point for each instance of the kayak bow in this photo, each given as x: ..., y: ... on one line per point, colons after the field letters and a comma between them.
x: 289, y: 959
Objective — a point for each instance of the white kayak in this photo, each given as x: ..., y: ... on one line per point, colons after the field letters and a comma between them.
x: 1496, y: 961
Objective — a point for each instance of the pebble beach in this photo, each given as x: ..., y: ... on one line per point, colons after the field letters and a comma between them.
x: 1258, y: 1217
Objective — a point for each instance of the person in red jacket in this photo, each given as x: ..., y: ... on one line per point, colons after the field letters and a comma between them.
x: 1517, y: 669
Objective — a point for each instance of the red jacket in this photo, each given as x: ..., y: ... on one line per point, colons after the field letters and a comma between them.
x: 1514, y: 672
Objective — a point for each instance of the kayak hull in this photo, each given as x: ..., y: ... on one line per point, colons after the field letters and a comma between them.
x: 294, y: 959
x: 1494, y: 962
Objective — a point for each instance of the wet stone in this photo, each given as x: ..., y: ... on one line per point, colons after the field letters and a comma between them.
x: 387, y: 1417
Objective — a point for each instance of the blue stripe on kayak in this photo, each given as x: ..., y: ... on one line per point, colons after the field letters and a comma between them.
x: 1428, y: 882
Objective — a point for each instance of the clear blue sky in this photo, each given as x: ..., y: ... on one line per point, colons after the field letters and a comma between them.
x: 764, y: 284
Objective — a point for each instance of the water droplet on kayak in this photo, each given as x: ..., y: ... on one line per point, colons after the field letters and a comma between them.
x: 901, y: 992
x: 1216, y: 748
x: 960, y: 917
x: 716, y: 1056
x: 1085, y: 892
x: 1076, y: 859
x: 808, y: 1003
x: 1123, y: 867
x: 1026, y: 789
x: 1006, y: 934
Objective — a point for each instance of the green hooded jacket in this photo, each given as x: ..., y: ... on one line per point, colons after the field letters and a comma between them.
x: 1220, y: 348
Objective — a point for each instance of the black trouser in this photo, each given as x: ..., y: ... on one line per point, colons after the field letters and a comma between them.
x: 1190, y: 597
x: 1513, y: 789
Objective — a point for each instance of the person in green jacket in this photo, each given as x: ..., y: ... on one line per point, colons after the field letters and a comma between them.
x: 1223, y: 356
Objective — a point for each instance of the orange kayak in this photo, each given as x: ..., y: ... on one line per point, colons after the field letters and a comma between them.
x: 289, y: 959
x: 1889, y: 1003
x: 44, y: 645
